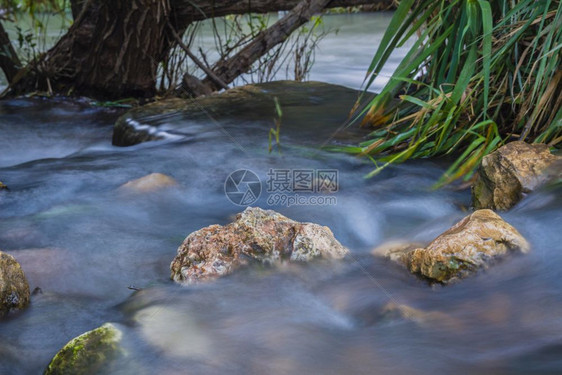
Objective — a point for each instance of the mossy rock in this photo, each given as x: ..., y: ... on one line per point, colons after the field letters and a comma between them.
x: 89, y: 353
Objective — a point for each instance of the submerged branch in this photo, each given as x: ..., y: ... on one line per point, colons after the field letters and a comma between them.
x: 212, y: 76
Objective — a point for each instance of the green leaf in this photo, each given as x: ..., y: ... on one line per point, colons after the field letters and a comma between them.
x: 487, y: 25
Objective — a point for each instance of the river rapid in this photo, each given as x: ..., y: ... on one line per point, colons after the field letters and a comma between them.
x: 88, y: 245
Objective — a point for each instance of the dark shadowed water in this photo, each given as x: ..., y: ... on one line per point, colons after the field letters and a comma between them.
x: 84, y: 243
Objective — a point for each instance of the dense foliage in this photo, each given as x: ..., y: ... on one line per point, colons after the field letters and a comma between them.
x: 479, y: 74
x: 33, y: 6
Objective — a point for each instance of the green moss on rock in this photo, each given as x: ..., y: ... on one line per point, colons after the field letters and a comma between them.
x: 89, y: 353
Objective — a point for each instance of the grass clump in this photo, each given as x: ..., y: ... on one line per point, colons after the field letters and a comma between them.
x: 479, y: 73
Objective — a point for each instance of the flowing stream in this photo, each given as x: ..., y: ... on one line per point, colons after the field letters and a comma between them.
x: 85, y: 244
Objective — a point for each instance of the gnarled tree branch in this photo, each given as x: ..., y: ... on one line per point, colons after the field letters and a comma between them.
x: 114, y: 47
x: 228, y: 69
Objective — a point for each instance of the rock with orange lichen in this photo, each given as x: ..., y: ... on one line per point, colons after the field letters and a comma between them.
x: 256, y: 236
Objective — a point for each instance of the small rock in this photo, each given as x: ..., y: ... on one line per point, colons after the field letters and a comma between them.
x: 149, y: 183
x: 513, y: 170
x: 2, y: 186
x: 257, y: 235
x: 430, y: 319
x: 471, y: 244
x: 89, y: 353
x: 14, y: 289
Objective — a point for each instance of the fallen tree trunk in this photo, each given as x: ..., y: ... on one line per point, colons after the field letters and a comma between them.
x: 187, y: 11
x: 114, y: 47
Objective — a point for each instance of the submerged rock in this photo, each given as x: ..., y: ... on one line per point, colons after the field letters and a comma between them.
x: 512, y: 171
x: 184, y: 338
x: 471, y: 244
x: 89, y: 353
x: 246, y: 103
x: 128, y: 130
x: 148, y: 183
x: 430, y: 319
x: 48, y: 268
x: 14, y: 289
x: 257, y: 235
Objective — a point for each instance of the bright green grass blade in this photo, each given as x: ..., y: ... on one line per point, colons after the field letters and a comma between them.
x: 396, y: 21
x: 416, y: 101
x: 465, y: 76
x: 487, y: 25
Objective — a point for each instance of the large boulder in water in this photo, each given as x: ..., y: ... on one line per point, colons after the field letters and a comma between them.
x: 255, y: 102
x: 471, y: 244
x: 90, y: 353
x: 512, y: 171
x: 14, y: 289
x: 261, y: 236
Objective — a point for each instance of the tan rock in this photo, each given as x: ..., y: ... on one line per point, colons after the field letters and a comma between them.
x: 148, y: 183
x: 14, y: 289
x: 471, y: 244
x: 510, y: 172
x: 396, y: 250
x: 2, y: 186
x: 261, y: 236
